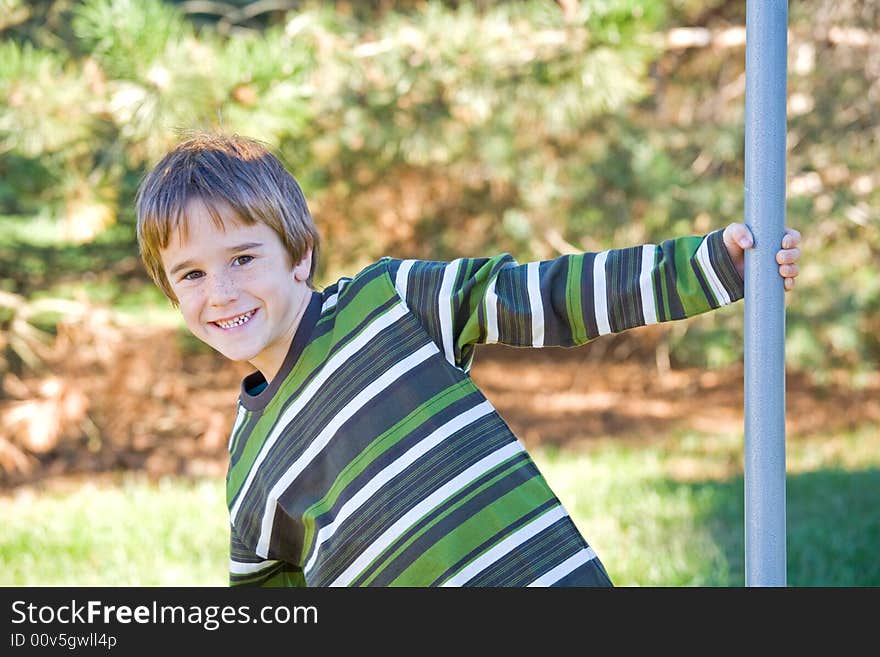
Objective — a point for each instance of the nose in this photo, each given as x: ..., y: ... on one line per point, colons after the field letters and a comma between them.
x: 222, y: 289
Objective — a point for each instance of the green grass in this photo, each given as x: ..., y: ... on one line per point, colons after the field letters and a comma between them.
x: 672, y: 514
x: 131, y: 533
x: 665, y: 514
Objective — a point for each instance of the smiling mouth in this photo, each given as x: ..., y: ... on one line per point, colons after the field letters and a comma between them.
x: 235, y: 321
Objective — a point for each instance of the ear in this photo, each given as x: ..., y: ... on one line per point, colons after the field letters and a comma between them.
x: 303, y: 267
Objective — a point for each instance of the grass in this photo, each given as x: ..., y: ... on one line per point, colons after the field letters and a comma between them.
x: 672, y: 514
x: 665, y: 514
x: 128, y: 533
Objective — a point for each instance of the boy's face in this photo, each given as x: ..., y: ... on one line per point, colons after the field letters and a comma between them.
x: 236, y: 288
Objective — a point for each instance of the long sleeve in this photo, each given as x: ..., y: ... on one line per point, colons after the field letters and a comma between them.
x: 567, y: 301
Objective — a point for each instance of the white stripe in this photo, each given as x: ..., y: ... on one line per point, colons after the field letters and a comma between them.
x: 504, y: 547
x: 649, y: 308
x: 413, y: 515
x: 537, y: 306
x: 399, y: 465
x: 321, y: 440
x: 243, y: 568
x: 238, y: 418
x: 400, y: 281
x: 715, y: 283
x: 379, y: 324
x: 491, y: 312
x: 600, y: 303
x: 551, y: 577
x: 444, y: 309
x: 333, y: 298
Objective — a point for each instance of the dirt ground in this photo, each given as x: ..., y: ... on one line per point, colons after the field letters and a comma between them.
x: 115, y: 400
x: 563, y: 398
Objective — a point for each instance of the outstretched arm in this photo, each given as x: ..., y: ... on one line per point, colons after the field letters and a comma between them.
x: 567, y: 301
x: 738, y: 238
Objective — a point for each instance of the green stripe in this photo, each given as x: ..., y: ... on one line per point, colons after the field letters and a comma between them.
x: 284, y: 578
x: 478, y: 529
x: 574, y: 300
x: 375, y: 292
x: 426, y: 411
x: 664, y: 291
x: 473, y: 332
x: 502, y: 470
x: 237, y: 434
x: 689, y: 290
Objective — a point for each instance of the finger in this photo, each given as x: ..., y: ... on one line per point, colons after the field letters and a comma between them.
x: 789, y: 283
x: 789, y: 271
x: 791, y: 238
x: 739, y: 234
x: 788, y: 256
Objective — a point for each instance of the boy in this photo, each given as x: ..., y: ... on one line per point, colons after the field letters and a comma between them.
x: 362, y: 452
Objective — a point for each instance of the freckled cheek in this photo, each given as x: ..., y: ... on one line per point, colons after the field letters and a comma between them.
x: 247, y: 277
x: 256, y: 281
x: 191, y: 303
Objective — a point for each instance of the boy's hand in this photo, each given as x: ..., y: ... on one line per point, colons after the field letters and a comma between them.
x: 738, y: 238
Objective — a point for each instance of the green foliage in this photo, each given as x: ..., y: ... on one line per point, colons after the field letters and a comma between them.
x: 45, y: 109
x: 12, y: 12
x: 127, y: 36
x: 265, y: 82
x: 442, y: 129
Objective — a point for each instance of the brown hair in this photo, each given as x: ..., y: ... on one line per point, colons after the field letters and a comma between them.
x: 221, y: 170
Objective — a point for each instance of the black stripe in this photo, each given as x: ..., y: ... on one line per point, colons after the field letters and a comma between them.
x: 394, y: 343
x: 423, y: 288
x: 247, y: 427
x: 657, y: 286
x: 514, y: 328
x: 392, y: 266
x: 260, y: 578
x: 467, y: 287
x: 724, y: 267
x: 394, y: 409
x: 539, y: 554
x: 402, y: 561
x: 478, y: 550
x: 553, y: 278
x: 439, y: 466
x: 624, y: 296
x: 667, y: 265
x: 704, y: 285
x: 329, y: 324
x: 591, y: 573
x: 588, y: 304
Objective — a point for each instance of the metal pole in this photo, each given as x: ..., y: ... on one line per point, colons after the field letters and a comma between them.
x: 766, y: 62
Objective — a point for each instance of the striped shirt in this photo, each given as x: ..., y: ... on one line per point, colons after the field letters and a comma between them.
x: 372, y: 459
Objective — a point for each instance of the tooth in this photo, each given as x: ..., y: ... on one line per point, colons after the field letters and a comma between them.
x: 238, y: 321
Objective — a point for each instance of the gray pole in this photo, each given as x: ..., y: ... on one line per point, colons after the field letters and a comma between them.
x: 765, y: 125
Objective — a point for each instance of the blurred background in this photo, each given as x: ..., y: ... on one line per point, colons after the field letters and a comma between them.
x: 436, y: 130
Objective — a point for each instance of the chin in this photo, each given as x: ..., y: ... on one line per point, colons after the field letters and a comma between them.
x: 239, y: 356
x: 233, y: 353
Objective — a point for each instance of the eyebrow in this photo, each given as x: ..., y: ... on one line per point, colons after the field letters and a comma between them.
x: 186, y: 264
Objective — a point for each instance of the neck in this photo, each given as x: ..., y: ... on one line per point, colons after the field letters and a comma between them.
x: 269, y: 361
